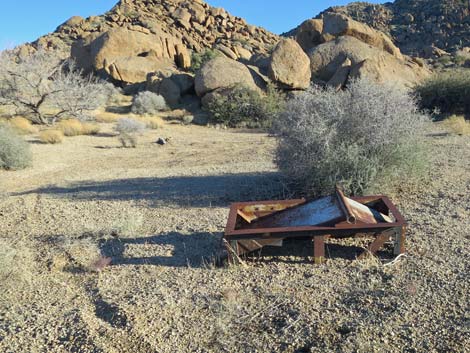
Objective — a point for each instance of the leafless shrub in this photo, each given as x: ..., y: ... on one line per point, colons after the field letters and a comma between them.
x: 45, y: 89
x: 128, y: 130
x: 360, y: 137
x: 148, y: 103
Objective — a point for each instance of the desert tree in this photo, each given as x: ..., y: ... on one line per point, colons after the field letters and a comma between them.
x: 46, y: 89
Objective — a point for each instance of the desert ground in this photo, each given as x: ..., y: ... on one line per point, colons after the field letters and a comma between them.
x: 159, y: 212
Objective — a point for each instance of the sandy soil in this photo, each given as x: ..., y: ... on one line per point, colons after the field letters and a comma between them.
x: 159, y: 212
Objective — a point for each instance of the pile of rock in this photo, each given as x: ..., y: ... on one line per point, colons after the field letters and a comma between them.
x: 340, y: 49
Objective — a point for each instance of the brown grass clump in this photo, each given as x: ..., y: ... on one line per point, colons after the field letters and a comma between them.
x: 51, y: 136
x: 107, y: 118
x: 70, y: 127
x: 22, y: 125
x: 458, y: 125
x: 150, y: 122
x: 90, y: 129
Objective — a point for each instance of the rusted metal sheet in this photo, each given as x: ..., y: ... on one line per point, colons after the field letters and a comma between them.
x: 253, y: 225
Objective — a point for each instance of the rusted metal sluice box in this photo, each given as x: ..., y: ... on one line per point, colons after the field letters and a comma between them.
x: 253, y: 225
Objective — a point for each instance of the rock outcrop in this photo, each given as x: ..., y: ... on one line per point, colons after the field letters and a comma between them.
x: 329, y: 62
x: 289, y: 65
x: 415, y: 24
x: 151, y: 33
x: 222, y: 72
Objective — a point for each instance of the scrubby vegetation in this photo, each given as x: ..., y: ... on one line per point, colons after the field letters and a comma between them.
x: 22, y: 125
x: 199, y: 59
x: 14, y: 151
x: 448, y: 92
x: 458, y: 125
x: 51, y: 136
x: 363, y: 137
x: 45, y: 89
x: 147, y: 102
x: 128, y: 130
x: 242, y: 107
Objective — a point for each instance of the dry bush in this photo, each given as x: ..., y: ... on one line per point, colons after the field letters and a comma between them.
x: 366, y: 137
x: 129, y: 224
x: 51, y: 136
x: 458, y: 125
x: 150, y: 123
x: 15, y: 153
x: 70, y: 127
x: 90, y: 129
x: 148, y: 103
x: 106, y: 117
x: 45, y: 89
x: 128, y: 130
x: 22, y: 125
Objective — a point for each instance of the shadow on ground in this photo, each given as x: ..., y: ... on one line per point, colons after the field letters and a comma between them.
x: 170, y: 249
x: 185, y: 191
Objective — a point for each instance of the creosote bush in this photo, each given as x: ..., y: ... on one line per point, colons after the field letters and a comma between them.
x: 449, y: 92
x: 128, y: 130
x: 367, y: 137
x: 15, y: 152
x: 147, y: 102
x: 243, y: 107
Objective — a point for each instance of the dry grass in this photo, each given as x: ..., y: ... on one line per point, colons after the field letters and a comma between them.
x: 90, y: 129
x: 22, y: 125
x: 70, y: 127
x: 17, y: 265
x: 458, y: 125
x: 51, y: 136
x: 107, y: 117
x: 152, y: 123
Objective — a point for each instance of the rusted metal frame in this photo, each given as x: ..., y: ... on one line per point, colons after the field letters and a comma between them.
x: 319, y: 249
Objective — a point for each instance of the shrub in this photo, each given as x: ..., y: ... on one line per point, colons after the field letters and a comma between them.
x: 15, y: 153
x: 148, y: 103
x: 70, y: 127
x: 367, y: 136
x: 242, y: 107
x: 128, y: 130
x: 448, y: 92
x: 199, y: 59
x: 458, y: 125
x: 107, y: 117
x: 22, y: 125
x: 90, y: 129
x: 51, y: 136
x: 45, y: 88
x: 150, y: 123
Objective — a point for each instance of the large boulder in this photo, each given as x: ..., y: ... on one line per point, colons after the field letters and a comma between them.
x: 337, y: 25
x: 289, y: 65
x: 327, y: 58
x: 222, y: 72
x: 129, y: 55
x: 309, y: 34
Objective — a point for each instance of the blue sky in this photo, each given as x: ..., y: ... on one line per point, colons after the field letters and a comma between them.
x: 26, y: 20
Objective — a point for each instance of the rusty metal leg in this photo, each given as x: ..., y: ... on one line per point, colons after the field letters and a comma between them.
x: 319, y: 249
x: 399, y: 241
x: 379, y: 241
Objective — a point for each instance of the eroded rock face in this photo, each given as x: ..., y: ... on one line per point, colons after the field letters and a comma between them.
x: 366, y: 60
x: 289, y: 65
x: 338, y: 25
x: 222, y: 72
x: 309, y: 34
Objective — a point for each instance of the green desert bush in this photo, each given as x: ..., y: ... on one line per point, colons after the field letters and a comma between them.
x: 147, y: 102
x: 366, y: 136
x: 448, y: 92
x: 15, y: 152
x: 243, y: 107
x: 199, y: 59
